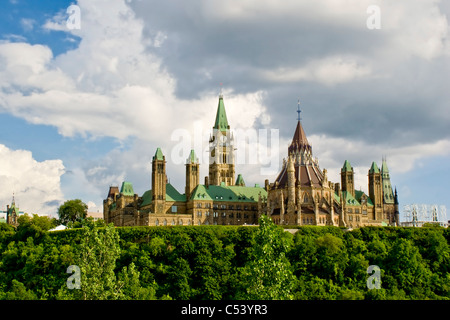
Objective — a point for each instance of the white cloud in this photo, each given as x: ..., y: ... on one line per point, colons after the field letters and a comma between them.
x: 108, y: 86
x: 415, y: 28
x: 27, y: 24
x: 332, y: 152
x: 36, y: 184
x: 328, y: 71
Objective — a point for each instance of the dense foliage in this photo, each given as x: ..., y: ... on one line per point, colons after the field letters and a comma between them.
x: 72, y: 212
x: 223, y: 262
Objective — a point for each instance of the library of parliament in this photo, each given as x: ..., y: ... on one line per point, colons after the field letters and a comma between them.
x: 301, y: 194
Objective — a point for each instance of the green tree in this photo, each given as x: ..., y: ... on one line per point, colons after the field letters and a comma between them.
x: 97, y: 253
x: 72, y: 211
x: 33, y: 226
x: 19, y: 292
x: 332, y: 258
x: 268, y: 274
x: 407, y: 268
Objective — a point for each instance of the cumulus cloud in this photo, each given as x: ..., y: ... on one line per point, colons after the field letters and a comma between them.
x: 108, y: 86
x: 332, y: 152
x: 144, y: 69
x: 36, y: 185
x: 328, y: 71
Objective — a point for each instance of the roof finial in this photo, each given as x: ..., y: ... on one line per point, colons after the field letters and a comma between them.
x: 221, y: 93
x: 298, y: 110
x: 13, y: 201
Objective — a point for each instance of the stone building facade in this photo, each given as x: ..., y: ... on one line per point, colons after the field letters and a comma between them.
x: 300, y: 195
x: 222, y: 199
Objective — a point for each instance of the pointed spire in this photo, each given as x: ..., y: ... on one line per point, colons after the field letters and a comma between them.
x: 240, y: 181
x: 158, y: 154
x: 192, y: 158
x: 384, y: 168
x: 374, y: 168
x: 346, y: 167
x: 298, y: 110
x: 221, y: 122
x: 299, y: 139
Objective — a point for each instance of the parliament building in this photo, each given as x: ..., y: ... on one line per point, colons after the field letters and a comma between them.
x: 300, y: 195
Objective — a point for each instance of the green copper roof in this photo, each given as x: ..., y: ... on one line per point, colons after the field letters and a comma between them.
x: 158, y: 154
x: 127, y: 189
x: 221, y: 117
x: 346, y: 167
x: 212, y: 193
x: 192, y: 158
x: 384, y: 168
x: 228, y: 193
x: 240, y: 181
x: 359, y: 194
x: 374, y: 168
x: 146, y: 198
x: 337, y: 198
x: 349, y: 199
x: 388, y: 194
x: 172, y: 194
x: 200, y: 193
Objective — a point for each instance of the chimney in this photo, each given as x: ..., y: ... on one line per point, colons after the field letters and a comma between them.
x: 207, y: 182
x: 337, y: 188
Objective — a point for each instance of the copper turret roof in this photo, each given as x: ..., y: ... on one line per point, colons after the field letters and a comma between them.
x: 299, y: 141
x: 306, y: 173
x: 309, y: 175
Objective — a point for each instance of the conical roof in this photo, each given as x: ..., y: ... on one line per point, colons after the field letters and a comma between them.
x: 346, y: 167
x: 240, y: 181
x: 299, y: 140
x: 221, y: 122
x: 158, y: 154
x: 192, y: 158
x: 384, y: 168
x: 374, y: 168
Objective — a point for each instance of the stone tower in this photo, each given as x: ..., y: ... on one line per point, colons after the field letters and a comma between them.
x: 388, y: 194
x: 192, y: 174
x: 12, y: 213
x: 375, y: 191
x: 347, y: 178
x: 389, y: 210
x: 221, y: 150
x: 159, y: 181
x: 396, y: 210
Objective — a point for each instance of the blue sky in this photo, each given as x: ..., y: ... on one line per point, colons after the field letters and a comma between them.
x: 84, y: 109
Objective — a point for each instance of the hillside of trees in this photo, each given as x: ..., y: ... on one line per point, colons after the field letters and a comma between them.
x: 221, y: 262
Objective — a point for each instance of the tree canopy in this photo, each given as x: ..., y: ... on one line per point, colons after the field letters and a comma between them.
x: 222, y: 262
x: 72, y: 211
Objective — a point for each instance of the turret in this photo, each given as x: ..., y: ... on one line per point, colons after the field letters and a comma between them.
x: 388, y: 194
x: 375, y: 191
x: 396, y: 211
x: 347, y: 178
x: 159, y: 181
x: 300, y: 148
x: 192, y: 174
x: 221, y: 150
